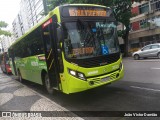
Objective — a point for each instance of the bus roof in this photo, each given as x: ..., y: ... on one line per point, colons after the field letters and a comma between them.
x: 50, y: 14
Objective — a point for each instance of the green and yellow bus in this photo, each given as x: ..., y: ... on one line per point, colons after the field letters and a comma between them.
x: 75, y: 48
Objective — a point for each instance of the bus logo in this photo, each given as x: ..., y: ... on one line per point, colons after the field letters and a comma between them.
x: 93, y: 72
x: 47, y: 23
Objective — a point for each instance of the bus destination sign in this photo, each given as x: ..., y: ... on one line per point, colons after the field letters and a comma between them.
x: 80, y: 11
x: 87, y: 11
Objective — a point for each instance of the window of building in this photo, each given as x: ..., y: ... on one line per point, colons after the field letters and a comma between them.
x: 144, y: 23
x: 39, y: 10
x: 155, y: 5
x: 38, y: 3
x: 144, y: 8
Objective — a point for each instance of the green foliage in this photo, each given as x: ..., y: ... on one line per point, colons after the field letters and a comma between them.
x: 122, y: 10
x: 100, y: 2
x: 51, y: 4
x: 4, y: 32
x: 3, y: 24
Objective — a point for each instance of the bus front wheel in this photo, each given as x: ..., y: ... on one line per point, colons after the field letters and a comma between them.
x: 48, y: 87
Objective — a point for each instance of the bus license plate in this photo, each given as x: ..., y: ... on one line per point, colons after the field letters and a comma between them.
x: 105, y: 79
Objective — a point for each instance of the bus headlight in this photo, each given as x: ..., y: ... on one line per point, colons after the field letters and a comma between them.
x: 81, y: 76
x: 77, y: 74
x: 72, y: 72
x: 120, y: 66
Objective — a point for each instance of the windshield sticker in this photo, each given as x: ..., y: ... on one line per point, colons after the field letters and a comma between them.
x: 104, y: 50
x: 94, y: 30
x: 82, y: 51
x: 104, y: 25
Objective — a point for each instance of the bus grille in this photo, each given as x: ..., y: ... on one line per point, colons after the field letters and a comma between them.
x: 98, y: 80
x: 97, y: 61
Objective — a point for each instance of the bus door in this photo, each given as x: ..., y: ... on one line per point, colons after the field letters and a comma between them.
x: 12, y: 61
x: 49, y: 39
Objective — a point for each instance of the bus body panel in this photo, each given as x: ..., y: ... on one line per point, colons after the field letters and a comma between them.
x: 31, y: 68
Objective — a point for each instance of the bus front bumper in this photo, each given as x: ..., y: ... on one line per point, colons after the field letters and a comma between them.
x: 77, y: 85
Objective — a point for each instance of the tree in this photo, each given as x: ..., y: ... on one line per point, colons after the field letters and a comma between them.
x: 122, y: 10
x: 4, y: 32
x: 51, y: 4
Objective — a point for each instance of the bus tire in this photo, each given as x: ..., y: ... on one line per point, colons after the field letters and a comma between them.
x: 20, y: 76
x: 47, y: 84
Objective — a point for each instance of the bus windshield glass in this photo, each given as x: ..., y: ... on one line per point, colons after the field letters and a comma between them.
x: 85, y: 39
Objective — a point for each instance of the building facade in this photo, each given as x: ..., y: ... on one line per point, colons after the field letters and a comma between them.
x: 31, y: 12
x: 145, y: 25
x: 5, y: 42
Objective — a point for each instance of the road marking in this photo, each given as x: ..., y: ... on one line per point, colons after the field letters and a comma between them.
x: 157, y: 90
x: 147, y: 60
x: 155, y: 68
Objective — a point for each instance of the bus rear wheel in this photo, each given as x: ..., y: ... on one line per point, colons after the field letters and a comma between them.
x: 48, y: 87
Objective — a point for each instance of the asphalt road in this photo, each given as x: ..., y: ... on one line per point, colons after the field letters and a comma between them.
x: 139, y: 90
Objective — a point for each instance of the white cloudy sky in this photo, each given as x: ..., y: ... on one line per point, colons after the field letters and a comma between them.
x: 9, y: 10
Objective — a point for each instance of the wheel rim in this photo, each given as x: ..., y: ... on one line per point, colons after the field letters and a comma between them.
x: 136, y: 57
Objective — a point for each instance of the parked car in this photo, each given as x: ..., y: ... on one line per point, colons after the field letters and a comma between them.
x: 151, y: 50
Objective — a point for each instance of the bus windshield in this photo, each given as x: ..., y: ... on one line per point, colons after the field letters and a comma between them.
x: 85, y: 39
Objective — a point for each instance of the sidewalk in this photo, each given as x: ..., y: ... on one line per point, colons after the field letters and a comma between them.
x: 15, y: 97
